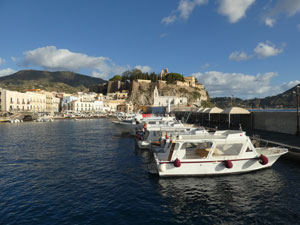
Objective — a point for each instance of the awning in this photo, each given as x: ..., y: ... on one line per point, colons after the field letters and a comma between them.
x: 214, y: 110
x: 204, y: 110
x: 235, y: 110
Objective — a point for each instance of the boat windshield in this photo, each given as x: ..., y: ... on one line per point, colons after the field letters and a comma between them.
x: 146, y: 135
x: 196, y: 150
x: 229, y: 149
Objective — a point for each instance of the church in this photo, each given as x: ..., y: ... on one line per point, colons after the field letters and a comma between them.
x: 164, y: 100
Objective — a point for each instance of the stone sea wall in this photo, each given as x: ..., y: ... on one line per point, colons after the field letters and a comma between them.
x: 282, y: 122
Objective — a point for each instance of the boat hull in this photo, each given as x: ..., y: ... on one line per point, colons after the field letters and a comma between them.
x: 143, y: 144
x: 207, y: 168
x: 124, y: 125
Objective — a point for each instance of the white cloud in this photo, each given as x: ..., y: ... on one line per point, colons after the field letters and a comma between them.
x: 288, y: 7
x: 169, y: 19
x: 51, y: 58
x: 6, y: 72
x: 144, y: 69
x: 237, y: 84
x: 270, y: 22
x: 241, y: 85
x: 186, y: 7
x: 234, y: 9
x: 267, y: 49
x: 288, y: 85
x: 239, y: 56
x: 298, y: 27
x: 184, y: 10
x: 205, y: 66
x: 163, y: 35
x: 14, y: 59
x: 291, y: 7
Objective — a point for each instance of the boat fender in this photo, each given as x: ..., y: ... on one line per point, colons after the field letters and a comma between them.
x: 228, y: 164
x: 162, y: 168
x: 177, y: 163
x: 167, y: 135
x: 263, y: 159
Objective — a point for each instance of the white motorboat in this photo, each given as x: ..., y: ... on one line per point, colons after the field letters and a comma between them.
x: 157, y: 135
x: 222, y: 152
x: 130, y: 122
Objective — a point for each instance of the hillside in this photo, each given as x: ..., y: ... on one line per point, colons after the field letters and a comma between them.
x: 142, y: 93
x: 286, y: 99
x: 61, y: 81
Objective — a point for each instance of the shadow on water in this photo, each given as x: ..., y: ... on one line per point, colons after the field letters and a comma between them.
x: 253, y: 198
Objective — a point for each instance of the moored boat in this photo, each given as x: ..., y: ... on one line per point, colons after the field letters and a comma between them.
x: 222, y: 152
x: 157, y: 135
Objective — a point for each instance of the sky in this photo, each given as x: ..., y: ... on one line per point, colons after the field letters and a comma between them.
x: 240, y: 48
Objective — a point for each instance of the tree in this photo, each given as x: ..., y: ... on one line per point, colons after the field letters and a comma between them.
x: 171, y: 78
x: 196, y: 95
x: 116, y: 77
x: 153, y: 77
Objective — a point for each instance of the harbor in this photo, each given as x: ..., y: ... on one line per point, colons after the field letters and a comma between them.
x: 49, y: 178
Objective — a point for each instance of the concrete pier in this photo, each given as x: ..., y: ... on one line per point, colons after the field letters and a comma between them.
x: 268, y: 128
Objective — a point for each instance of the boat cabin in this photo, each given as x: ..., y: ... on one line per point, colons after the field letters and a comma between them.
x: 213, y: 146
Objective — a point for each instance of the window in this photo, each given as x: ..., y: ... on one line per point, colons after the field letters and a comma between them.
x: 227, y: 149
x: 197, y: 150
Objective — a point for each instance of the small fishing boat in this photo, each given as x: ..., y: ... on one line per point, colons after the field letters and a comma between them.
x: 130, y: 122
x: 157, y: 135
x: 222, y: 152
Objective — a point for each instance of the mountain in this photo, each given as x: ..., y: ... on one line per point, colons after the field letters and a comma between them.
x: 286, y: 99
x: 61, y: 81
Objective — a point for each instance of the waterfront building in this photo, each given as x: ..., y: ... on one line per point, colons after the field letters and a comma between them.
x: 30, y: 101
x: 165, y: 100
x: 81, y: 106
x: 111, y: 105
x: 37, y: 101
x: 66, y: 101
x: 126, y: 107
x: 14, y: 101
x: 99, y: 106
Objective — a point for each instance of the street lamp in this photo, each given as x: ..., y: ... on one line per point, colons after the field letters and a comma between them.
x: 297, y: 93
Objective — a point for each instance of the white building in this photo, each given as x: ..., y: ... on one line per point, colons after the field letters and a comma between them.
x: 14, y: 101
x: 86, y: 106
x: 80, y: 106
x: 98, y: 106
x: 52, y: 102
x: 22, y: 102
x: 165, y: 100
x: 30, y: 101
x: 111, y: 105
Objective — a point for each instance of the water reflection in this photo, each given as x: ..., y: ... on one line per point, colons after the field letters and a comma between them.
x: 213, y: 199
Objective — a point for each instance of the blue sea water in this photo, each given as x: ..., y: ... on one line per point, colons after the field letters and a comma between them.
x: 88, y: 172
